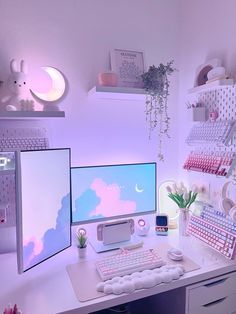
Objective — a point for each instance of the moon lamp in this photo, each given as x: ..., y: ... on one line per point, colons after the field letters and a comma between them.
x: 57, y: 88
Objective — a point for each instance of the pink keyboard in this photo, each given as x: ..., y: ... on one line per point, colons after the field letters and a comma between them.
x: 219, y: 239
x: 219, y: 163
x: 125, y: 263
x: 218, y: 218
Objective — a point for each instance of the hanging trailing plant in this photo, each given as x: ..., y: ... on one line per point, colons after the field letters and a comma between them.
x: 156, y: 83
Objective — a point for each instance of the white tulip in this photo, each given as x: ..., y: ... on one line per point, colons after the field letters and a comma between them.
x: 174, y: 188
x: 185, y: 190
x: 179, y: 191
x: 194, y: 188
x: 186, y: 196
x: 181, y: 188
x: 168, y: 188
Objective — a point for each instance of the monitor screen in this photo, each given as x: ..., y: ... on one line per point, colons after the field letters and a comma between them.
x: 43, y: 205
x: 161, y: 220
x: 107, y: 192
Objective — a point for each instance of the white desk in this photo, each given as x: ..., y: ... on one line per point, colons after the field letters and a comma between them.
x: 46, y: 288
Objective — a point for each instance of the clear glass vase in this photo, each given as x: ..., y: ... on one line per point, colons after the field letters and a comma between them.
x: 183, y: 221
x: 82, y: 251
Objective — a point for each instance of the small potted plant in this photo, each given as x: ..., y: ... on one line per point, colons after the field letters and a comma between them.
x: 156, y: 84
x: 184, y: 199
x: 82, y: 242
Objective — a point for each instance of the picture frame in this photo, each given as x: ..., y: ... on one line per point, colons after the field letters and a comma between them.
x: 129, y: 65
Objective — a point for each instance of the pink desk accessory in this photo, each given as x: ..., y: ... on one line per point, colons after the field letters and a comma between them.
x: 213, y: 115
x: 108, y: 79
x: 12, y: 310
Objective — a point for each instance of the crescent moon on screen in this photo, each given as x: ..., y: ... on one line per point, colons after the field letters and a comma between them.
x: 137, y: 189
x: 58, y: 86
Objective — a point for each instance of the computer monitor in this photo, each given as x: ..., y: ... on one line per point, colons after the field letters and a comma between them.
x: 43, y: 205
x: 114, y: 191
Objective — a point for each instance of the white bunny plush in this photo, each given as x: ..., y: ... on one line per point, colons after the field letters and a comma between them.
x: 17, y: 87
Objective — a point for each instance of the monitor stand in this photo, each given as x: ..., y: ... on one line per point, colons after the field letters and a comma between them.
x: 7, y: 240
x: 100, y: 247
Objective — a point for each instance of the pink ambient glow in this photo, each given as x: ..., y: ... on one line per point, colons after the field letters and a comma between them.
x: 110, y: 204
x: 37, y: 248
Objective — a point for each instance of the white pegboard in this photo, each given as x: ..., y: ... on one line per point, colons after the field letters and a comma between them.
x: 224, y: 101
x: 8, y: 197
x: 7, y: 190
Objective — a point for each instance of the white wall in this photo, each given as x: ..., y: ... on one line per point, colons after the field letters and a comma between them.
x: 76, y: 36
x: 207, y: 31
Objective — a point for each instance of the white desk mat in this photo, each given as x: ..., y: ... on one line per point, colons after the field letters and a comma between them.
x: 84, y: 276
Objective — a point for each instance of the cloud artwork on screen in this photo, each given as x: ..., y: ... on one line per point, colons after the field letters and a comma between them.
x: 102, y: 200
x: 85, y: 204
x: 36, y: 250
x: 31, y: 248
x: 110, y: 200
x: 100, y: 192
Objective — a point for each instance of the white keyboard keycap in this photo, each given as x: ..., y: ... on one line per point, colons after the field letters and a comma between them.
x: 13, y: 139
x: 128, y: 262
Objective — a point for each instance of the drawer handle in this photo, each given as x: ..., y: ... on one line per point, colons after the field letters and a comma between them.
x: 214, y: 302
x: 215, y: 282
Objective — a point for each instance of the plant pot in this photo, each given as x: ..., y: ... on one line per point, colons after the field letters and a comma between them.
x: 183, y: 221
x: 108, y: 79
x: 82, y: 252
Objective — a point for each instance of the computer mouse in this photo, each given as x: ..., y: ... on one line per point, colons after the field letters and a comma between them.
x: 175, y: 254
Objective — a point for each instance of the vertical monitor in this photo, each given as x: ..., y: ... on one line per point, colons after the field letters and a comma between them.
x: 114, y: 191
x: 43, y: 205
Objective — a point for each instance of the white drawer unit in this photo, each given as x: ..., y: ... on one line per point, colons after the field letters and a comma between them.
x: 214, y: 296
x: 226, y: 305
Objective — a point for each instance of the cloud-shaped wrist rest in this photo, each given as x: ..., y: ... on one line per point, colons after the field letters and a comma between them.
x: 141, y: 280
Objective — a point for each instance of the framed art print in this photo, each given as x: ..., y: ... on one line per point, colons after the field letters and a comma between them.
x: 129, y: 66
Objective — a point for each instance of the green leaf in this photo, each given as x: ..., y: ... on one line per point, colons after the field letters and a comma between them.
x: 173, y: 197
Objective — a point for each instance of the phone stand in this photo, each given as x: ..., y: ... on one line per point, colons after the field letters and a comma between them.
x: 114, y: 235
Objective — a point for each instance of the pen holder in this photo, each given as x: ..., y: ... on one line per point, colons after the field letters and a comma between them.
x: 199, y: 114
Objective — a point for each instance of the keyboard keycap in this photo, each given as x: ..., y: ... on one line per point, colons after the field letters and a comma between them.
x: 127, y: 262
x: 218, y: 132
x: 13, y: 139
x: 208, y: 231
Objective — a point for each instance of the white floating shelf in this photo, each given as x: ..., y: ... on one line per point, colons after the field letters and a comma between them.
x: 117, y: 93
x: 211, y: 86
x: 31, y: 114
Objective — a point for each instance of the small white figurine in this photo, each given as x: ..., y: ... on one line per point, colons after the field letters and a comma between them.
x: 17, y: 87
